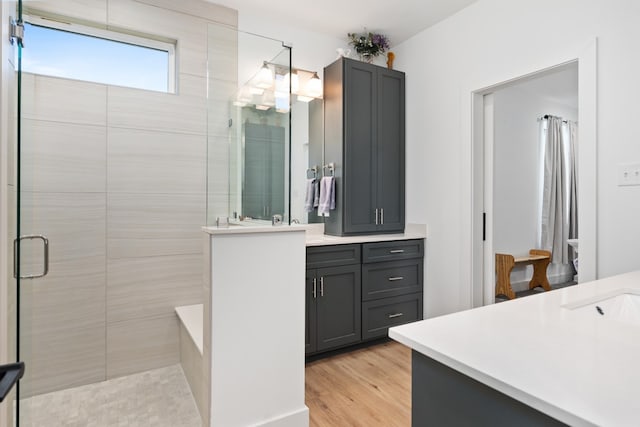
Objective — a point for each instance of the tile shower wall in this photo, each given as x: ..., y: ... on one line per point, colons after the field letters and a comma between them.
x: 116, y: 177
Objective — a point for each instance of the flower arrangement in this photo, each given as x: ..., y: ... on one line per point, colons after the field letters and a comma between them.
x: 369, y: 45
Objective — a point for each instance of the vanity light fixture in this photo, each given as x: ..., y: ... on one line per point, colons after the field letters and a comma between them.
x: 294, y: 79
x: 314, y: 86
x: 264, y: 79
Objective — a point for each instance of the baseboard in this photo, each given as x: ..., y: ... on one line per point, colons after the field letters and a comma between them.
x: 523, y: 285
x: 299, y: 418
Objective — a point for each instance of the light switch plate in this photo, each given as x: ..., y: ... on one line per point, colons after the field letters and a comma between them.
x: 629, y: 174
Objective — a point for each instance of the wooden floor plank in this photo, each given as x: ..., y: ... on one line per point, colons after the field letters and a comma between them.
x: 366, y: 387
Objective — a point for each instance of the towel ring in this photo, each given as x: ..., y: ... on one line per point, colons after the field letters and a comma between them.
x: 331, y: 167
x: 314, y: 171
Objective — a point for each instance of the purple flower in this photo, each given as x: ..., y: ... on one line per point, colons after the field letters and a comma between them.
x: 369, y: 43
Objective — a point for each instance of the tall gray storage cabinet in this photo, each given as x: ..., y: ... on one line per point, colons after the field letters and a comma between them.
x: 364, y: 110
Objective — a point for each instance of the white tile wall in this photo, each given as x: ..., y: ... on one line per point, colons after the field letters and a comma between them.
x: 73, y: 222
x: 89, y: 10
x: 141, y: 161
x: 220, y: 94
x: 63, y: 318
x: 63, y: 100
x: 152, y: 286
x: 63, y: 157
x: 141, y: 225
x: 142, y: 344
x: 218, y: 178
x: 222, y: 45
x: 201, y: 9
x: 185, y: 111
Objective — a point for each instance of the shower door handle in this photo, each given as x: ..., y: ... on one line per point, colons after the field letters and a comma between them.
x: 45, y: 241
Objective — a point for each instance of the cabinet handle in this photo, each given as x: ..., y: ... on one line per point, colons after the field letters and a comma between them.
x: 314, y: 287
x: 382, y: 216
x: 397, y: 251
x: 393, y: 316
x: 393, y: 279
x: 376, y: 216
x: 321, y: 286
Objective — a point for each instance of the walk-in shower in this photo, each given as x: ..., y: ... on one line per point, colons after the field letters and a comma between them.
x: 120, y: 179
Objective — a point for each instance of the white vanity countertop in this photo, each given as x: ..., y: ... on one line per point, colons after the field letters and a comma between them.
x: 548, y: 351
x: 315, y: 236
x: 254, y: 228
x: 314, y: 233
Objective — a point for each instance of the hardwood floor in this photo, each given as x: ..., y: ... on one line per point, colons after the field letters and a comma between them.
x: 366, y: 387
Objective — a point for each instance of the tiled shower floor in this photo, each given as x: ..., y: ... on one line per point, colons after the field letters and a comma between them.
x: 158, y: 398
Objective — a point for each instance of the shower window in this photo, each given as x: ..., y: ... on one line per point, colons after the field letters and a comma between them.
x: 79, y: 52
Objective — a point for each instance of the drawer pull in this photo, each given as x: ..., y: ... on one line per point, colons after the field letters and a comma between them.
x: 393, y: 316
x: 394, y: 279
x: 397, y: 251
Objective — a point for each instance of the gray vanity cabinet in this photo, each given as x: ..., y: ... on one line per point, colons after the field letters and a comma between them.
x: 310, y: 311
x: 333, y: 297
x: 356, y: 292
x: 365, y: 138
x: 392, y: 285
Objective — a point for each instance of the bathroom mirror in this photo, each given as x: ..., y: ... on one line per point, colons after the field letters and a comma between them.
x: 261, y: 172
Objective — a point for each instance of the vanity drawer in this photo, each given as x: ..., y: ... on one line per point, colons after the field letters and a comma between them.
x: 378, y: 316
x: 393, y: 250
x: 333, y: 255
x: 391, y: 278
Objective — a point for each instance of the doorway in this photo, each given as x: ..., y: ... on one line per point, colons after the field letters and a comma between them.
x: 483, y: 170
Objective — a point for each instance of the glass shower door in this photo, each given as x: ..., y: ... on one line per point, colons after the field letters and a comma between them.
x: 60, y: 252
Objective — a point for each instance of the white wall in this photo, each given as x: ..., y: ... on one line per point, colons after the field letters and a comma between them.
x: 490, y: 42
x: 257, y: 328
x: 516, y: 174
x: 311, y: 51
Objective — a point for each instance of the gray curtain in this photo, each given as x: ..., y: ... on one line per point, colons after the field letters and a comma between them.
x: 571, y: 132
x: 555, y: 229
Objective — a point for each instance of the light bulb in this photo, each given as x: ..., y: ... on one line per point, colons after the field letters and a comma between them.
x: 314, y: 86
x: 264, y: 79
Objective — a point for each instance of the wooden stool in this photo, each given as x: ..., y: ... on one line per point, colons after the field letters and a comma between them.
x: 539, y: 258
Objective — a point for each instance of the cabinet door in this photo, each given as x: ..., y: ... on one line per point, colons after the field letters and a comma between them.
x: 310, y: 312
x: 390, y: 150
x: 338, y: 306
x: 360, y: 117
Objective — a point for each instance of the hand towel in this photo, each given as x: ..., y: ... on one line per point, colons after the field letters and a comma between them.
x: 327, y: 196
x: 311, y: 197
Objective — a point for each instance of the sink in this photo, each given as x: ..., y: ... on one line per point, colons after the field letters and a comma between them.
x: 574, y: 244
x: 622, y: 305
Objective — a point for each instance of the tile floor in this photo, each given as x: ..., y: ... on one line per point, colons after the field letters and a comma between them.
x: 158, y: 398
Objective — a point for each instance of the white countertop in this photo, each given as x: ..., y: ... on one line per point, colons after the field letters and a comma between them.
x: 315, y: 236
x: 254, y: 228
x: 314, y: 233
x: 549, y: 351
